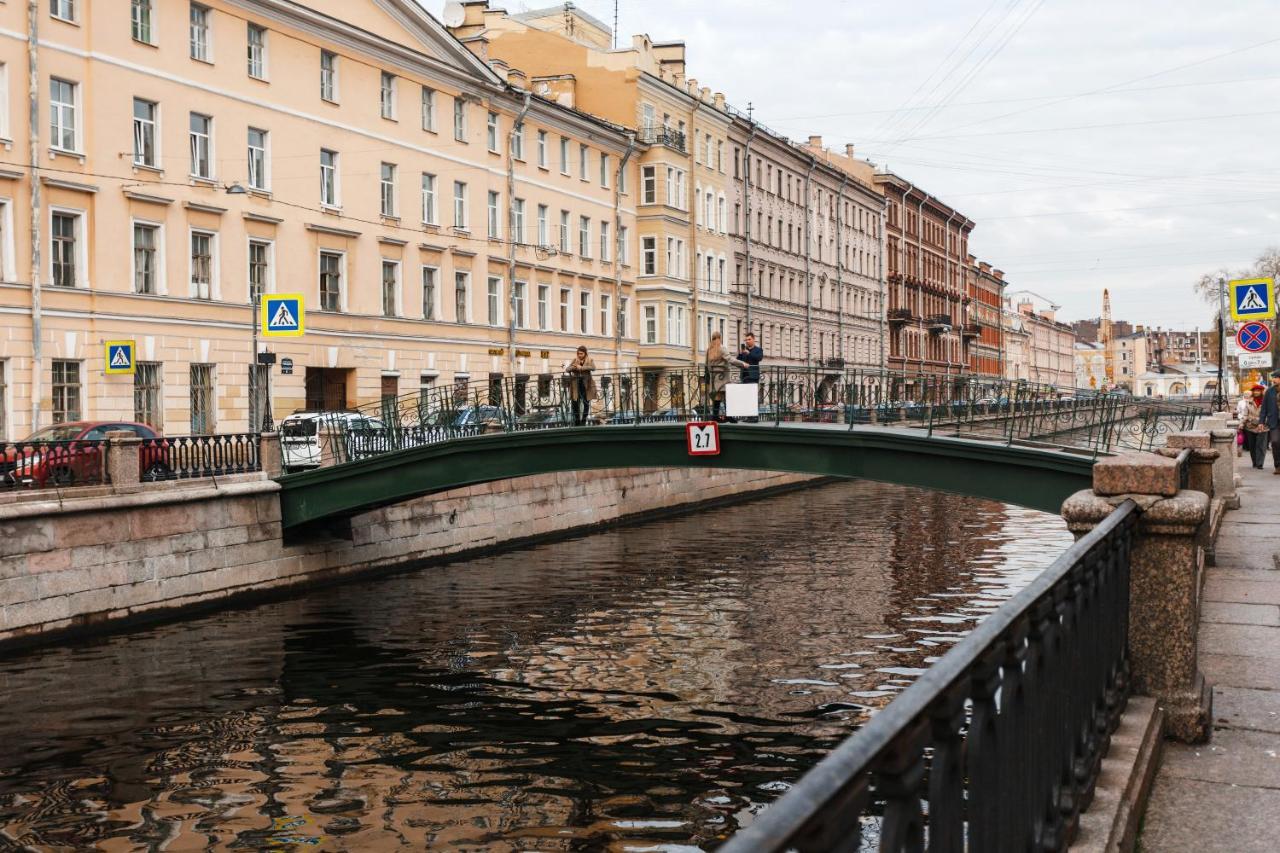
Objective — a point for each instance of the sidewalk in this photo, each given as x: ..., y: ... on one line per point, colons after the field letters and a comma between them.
x: 1225, y: 795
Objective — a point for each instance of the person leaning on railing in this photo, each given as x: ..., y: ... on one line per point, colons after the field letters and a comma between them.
x: 750, y: 354
x: 582, y: 387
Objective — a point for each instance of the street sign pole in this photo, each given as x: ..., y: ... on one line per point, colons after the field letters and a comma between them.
x: 1220, y: 400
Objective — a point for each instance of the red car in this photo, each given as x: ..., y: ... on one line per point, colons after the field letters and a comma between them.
x: 70, y: 454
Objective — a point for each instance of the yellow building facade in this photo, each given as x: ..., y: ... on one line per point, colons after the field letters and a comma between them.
x: 186, y: 156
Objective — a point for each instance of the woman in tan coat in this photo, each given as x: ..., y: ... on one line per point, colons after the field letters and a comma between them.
x: 716, y: 373
x: 582, y: 386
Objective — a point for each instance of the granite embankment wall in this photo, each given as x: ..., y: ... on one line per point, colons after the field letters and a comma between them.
x: 109, y: 556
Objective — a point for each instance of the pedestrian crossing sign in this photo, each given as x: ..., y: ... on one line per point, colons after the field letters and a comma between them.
x: 119, y: 357
x: 1253, y: 299
x: 283, y: 315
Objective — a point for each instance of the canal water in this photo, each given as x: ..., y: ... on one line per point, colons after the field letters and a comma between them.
x: 647, y: 688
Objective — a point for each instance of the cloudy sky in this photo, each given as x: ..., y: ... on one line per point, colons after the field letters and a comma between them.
x: 1131, y: 145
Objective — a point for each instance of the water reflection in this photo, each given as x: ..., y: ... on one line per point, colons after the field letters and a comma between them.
x: 645, y: 688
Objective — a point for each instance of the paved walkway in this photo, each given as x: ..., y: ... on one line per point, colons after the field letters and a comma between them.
x: 1225, y: 795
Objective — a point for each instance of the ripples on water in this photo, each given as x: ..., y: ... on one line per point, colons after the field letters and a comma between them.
x: 646, y: 688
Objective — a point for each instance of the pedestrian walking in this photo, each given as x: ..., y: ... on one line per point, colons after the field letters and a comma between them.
x: 716, y: 373
x: 582, y: 385
x: 1252, y: 428
x: 750, y: 355
x: 1269, y: 417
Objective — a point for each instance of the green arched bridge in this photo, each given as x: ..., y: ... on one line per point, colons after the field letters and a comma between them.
x: 1036, y: 477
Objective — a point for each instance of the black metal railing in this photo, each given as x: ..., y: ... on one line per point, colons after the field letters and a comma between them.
x: 663, y: 136
x: 186, y: 457
x: 52, y: 464
x: 996, y: 747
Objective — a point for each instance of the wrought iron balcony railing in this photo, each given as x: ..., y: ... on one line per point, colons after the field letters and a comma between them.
x: 673, y: 139
x: 900, y: 315
x: 938, y: 322
x: 972, y: 330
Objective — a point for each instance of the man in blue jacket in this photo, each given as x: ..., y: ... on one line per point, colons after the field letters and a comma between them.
x: 1269, y: 417
x: 751, y: 356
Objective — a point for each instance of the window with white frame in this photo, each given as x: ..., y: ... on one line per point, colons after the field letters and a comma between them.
x: 606, y: 322
x: 429, y: 199
x: 648, y: 255
x: 260, y: 252
x: 460, y: 205
x: 146, y: 257
x: 582, y: 161
x: 141, y: 15
x: 606, y: 250
x: 564, y: 155
x: 584, y: 312
x: 257, y: 51
x: 722, y: 215
x: 676, y: 188
x: 63, y: 10
x: 259, y: 179
x: 584, y: 236
x: 564, y: 231
x: 518, y: 296
x: 201, y: 138
x: 677, y: 333
x: 566, y: 317
x: 543, y: 308
x: 604, y: 170
x: 517, y: 141
x: 542, y: 149
x: 517, y: 221
x: 430, y: 292
x: 387, y: 190
x: 64, y: 131
x: 203, y: 264
x: 329, y: 76
x: 331, y: 275
x: 650, y: 324
x: 428, y: 109
x: 460, y: 119
x: 543, y: 233
x: 493, y: 296
x: 461, y: 295
x: 491, y: 132
x: 648, y: 185
x: 65, y: 248
x: 624, y: 254
x: 145, y: 119
x: 387, y: 95
x: 65, y: 390
x: 390, y: 288
x: 495, y: 224
x: 4, y: 101
x: 328, y: 177
x: 675, y: 259
x: 198, y: 32
x: 722, y: 266
x: 624, y: 322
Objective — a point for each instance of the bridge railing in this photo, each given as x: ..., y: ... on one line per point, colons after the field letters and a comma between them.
x: 999, y: 744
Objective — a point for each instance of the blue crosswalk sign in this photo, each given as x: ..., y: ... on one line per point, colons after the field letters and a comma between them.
x: 119, y: 357
x: 283, y: 315
x: 1253, y: 299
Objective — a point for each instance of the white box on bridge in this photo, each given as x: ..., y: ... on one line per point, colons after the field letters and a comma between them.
x: 742, y: 400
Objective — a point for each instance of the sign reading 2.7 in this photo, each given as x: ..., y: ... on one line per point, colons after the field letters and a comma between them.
x: 703, y: 438
x: 283, y: 315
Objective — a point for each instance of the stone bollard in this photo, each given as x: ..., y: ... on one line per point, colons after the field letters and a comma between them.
x: 1166, y: 562
x: 1202, y: 460
x: 270, y: 458
x: 1224, y: 468
x: 124, y: 454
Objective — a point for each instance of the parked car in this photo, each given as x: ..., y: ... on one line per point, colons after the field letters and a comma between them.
x: 70, y: 453
x: 300, y: 436
x: 543, y: 419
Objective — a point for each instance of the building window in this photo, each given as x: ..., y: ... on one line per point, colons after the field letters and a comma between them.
x: 648, y: 185
x: 517, y: 221
x: 543, y: 308
x: 387, y: 190
x: 430, y: 294
x: 584, y: 312
x: 542, y: 149
x: 62, y: 114
x: 649, y: 255
x: 330, y: 281
x: 146, y: 394
x: 201, y: 136
x: 494, y: 224
x: 459, y: 120
x: 494, y: 295
x: 518, y: 297
x: 387, y: 95
x: 144, y: 133
x: 429, y: 199
x: 517, y: 142
x: 605, y: 323
x: 65, y: 248
x: 140, y: 13
x: 258, y: 159
x: 390, y: 288
x: 257, y: 46
x: 461, y: 284
x: 604, y: 170
x: 605, y: 251
x: 428, y: 109
x: 675, y: 188
x: 202, y: 264
x: 676, y: 332
x: 624, y: 256
x: 259, y: 269
x: 328, y: 178
x: 564, y: 155
x: 564, y: 231
x: 199, y: 32
x: 63, y: 10
x: 566, y: 323
x: 650, y: 324
x: 146, y: 240
x: 66, y: 391
x: 329, y: 76
x: 203, y: 407
x: 460, y: 205
x: 543, y: 227
x: 491, y: 130
x: 582, y: 161
x: 584, y: 236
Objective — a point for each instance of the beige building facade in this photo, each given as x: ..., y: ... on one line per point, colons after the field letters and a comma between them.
x: 187, y: 156
x: 1050, y: 347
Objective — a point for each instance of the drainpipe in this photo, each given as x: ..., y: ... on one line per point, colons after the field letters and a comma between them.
x: 513, y: 237
x: 619, y: 317
x: 746, y: 203
x: 844, y: 180
x: 808, y: 256
x: 33, y: 94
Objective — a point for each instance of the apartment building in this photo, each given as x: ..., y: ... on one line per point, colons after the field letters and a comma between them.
x: 443, y: 222
x: 983, y: 329
x: 1050, y: 346
x: 808, y: 223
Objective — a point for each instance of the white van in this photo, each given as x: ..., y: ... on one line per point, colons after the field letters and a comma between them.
x: 300, y: 435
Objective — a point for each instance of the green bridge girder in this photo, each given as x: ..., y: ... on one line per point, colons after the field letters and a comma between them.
x: 1034, y: 477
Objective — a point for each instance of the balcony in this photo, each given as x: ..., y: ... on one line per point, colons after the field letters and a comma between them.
x: 900, y: 315
x: 971, y: 330
x: 938, y: 322
x: 673, y: 139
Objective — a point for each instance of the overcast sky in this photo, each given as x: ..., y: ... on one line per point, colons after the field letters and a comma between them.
x: 1130, y: 145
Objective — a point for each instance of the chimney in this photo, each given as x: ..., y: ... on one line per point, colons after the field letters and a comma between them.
x: 999, y: 274
x: 518, y: 78
x: 499, y: 67
x: 719, y: 100
x: 1047, y: 314
x: 815, y: 141
x: 848, y: 150
x: 1026, y: 307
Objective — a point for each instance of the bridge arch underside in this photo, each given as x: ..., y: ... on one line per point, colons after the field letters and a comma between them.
x: 1026, y: 476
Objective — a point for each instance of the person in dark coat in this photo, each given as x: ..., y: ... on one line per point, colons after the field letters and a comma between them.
x: 750, y: 355
x: 1269, y: 417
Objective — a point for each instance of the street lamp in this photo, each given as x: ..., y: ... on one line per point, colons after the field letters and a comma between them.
x: 256, y: 360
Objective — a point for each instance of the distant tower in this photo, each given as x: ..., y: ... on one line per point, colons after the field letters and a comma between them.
x: 1105, y: 338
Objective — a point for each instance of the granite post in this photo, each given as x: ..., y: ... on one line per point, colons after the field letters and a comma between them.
x: 269, y: 455
x: 124, y: 452
x: 1166, y: 562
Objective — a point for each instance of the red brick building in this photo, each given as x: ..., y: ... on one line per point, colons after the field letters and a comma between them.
x: 982, y: 328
